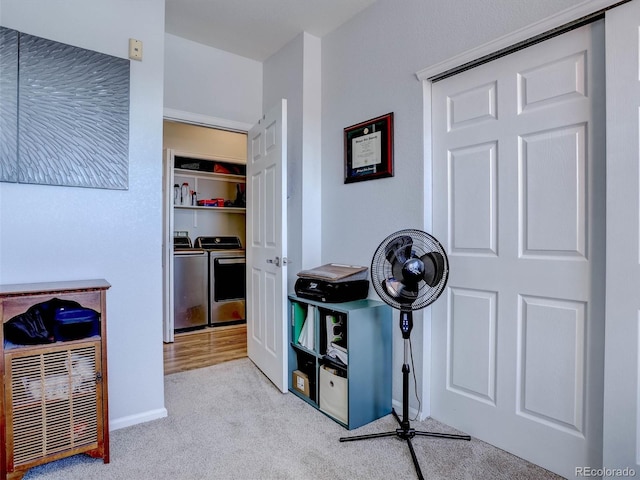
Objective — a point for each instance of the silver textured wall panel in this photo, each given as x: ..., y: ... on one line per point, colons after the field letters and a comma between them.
x: 64, y: 114
x: 73, y: 116
x: 8, y: 105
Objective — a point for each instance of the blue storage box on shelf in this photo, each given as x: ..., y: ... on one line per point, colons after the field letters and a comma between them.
x: 75, y: 323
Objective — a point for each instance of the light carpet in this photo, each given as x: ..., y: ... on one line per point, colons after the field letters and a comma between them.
x: 229, y: 422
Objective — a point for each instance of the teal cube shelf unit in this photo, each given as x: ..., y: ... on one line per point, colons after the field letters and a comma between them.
x: 357, y: 391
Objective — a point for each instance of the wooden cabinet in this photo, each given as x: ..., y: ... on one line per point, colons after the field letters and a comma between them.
x: 54, y: 402
x: 342, y: 366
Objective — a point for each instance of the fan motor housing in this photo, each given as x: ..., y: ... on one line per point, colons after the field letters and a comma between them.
x: 413, y: 270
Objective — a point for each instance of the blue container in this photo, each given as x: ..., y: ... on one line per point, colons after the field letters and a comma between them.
x: 75, y: 323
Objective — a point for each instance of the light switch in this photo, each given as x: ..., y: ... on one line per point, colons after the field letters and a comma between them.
x: 135, y: 49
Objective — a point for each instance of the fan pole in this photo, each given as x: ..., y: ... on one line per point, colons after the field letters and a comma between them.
x: 405, y: 432
x: 406, y: 325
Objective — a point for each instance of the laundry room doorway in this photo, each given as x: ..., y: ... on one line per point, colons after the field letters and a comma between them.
x: 204, y: 233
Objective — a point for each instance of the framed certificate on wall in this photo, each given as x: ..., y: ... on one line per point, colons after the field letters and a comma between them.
x: 368, y: 149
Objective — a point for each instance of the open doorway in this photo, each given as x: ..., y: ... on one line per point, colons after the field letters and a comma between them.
x: 204, y: 348
x: 203, y: 241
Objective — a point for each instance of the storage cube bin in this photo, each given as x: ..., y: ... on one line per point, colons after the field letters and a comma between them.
x: 333, y: 395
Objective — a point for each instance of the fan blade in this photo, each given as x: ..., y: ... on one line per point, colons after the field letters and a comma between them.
x: 399, y: 291
x: 433, y: 268
x: 399, y: 250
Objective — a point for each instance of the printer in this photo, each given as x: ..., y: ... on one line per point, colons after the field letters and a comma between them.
x: 333, y: 283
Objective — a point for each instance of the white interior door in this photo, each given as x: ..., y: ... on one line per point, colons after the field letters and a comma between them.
x: 621, y: 400
x: 267, y: 245
x: 518, y: 182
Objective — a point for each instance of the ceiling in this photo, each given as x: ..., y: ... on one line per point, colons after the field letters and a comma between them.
x: 256, y: 28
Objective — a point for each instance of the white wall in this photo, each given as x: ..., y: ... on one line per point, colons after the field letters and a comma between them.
x: 368, y: 69
x: 311, y: 216
x: 50, y: 233
x: 368, y: 66
x: 294, y: 73
x: 203, y: 80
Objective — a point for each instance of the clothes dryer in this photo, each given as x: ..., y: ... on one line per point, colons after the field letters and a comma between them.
x: 227, y: 279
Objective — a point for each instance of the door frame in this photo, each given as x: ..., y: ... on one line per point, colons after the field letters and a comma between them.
x: 496, y: 147
x: 583, y: 12
x: 167, y: 251
x: 205, y: 120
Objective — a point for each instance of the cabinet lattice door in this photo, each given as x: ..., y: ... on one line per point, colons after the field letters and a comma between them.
x: 53, y: 399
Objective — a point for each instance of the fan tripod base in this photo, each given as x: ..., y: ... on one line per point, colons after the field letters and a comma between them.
x: 405, y: 432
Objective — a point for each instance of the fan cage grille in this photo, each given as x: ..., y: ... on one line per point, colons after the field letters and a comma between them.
x: 381, y: 269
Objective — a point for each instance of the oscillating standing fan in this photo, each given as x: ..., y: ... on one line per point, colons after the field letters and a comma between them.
x: 409, y: 271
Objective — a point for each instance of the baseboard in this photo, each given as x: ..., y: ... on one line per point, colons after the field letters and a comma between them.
x: 123, y: 422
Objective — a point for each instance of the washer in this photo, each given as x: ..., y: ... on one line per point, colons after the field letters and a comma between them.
x: 190, y: 286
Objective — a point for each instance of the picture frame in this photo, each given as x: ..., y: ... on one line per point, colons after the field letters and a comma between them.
x: 368, y: 149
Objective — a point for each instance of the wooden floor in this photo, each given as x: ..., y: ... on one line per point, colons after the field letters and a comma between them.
x: 203, y: 348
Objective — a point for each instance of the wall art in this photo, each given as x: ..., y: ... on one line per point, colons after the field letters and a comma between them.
x: 72, y: 114
x: 368, y: 149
